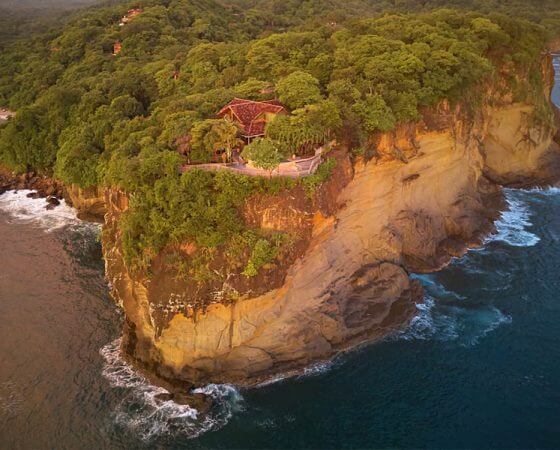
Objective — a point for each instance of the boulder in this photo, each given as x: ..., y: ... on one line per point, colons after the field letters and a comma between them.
x: 52, y: 200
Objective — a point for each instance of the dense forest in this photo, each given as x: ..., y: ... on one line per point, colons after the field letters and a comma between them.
x: 24, y: 17
x: 91, y: 113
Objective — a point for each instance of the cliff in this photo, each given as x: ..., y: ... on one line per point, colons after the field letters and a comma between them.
x: 510, y: 133
x: 90, y: 202
x: 431, y: 191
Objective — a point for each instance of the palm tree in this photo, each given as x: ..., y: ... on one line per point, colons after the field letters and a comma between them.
x: 225, y: 136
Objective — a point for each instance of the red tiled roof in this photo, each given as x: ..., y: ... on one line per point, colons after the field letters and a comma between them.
x: 134, y: 12
x: 235, y: 101
x: 255, y: 129
x: 248, y: 113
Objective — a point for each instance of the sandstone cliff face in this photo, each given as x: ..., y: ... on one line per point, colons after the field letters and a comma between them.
x: 430, y: 192
x: 519, y: 144
x: 518, y: 153
x: 90, y: 202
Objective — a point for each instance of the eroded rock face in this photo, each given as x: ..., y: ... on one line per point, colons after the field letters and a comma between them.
x: 89, y: 202
x: 518, y: 151
x: 431, y: 190
x: 409, y: 210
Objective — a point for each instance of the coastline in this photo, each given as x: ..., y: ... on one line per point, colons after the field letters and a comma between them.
x: 179, y: 392
x: 400, y: 213
x: 485, y: 211
x: 385, y: 228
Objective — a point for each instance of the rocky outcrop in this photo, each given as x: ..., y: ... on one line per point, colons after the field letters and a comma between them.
x: 44, y: 186
x: 519, y: 152
x: 90, y: 202
x: 425, y: 193
x: 520, y: 141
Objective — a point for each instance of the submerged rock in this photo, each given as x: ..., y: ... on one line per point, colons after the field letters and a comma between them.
x: 53, y: 201
x: 201, y: 402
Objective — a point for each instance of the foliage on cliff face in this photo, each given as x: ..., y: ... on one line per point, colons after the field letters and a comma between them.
x: 94, y: 118
x: 199, y: 207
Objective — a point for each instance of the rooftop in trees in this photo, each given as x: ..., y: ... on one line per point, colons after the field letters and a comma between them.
x: 250, y: 115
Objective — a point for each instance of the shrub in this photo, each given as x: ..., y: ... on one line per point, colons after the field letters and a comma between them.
x: 263, y: 153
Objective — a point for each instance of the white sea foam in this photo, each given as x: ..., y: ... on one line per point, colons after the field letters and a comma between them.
x: 512, y: 226
x: 20, y: 208
x: 456, y: 321
x: 427, y: 325
x: 274, y: 380
x: 143, y: 413
x: 547, y: 192
x: 447, y: 316
x: 318, y: 368
x: 312, y: 370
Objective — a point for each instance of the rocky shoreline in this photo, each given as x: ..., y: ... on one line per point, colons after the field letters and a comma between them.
x: 402, y: 217
x: 44, y: 187
x: 353, y: 285
x: 386, y: 218
x: 88, y: 203
x: 54, y: 192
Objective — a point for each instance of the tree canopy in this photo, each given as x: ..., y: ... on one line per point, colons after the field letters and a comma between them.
x: 263, y: 153
x: 352, y: 68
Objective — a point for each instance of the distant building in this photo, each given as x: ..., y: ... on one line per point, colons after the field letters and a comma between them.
x: 251, y: 116
x: 131, y: 14
x: 117, y: 47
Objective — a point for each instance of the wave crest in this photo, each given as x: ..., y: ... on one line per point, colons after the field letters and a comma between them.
x: 142, y: 412
x: 22, y: 209
x: 513, y: 223
x: 464, y: 324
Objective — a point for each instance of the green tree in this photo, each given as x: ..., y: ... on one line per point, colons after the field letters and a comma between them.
x: 77, y: 158
x: 343, y: 91
x: 298, y: 89
x: 375, y: 114
x: 211, y: 135
x: 263, y: 153
x: 253, y: 89
x: 176, y: 129
x: 306, y: 128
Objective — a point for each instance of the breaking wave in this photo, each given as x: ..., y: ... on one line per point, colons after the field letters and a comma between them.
x: 22, y: 209
x: 464, y: 324
x: 549, y: 191
x: 318, y: 368
x: 312, y: 370
x: 445, y: 315
x: 143, y: 413
x: 513, y: 224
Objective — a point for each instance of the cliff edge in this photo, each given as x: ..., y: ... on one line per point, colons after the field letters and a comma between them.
x: 430, y: 191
